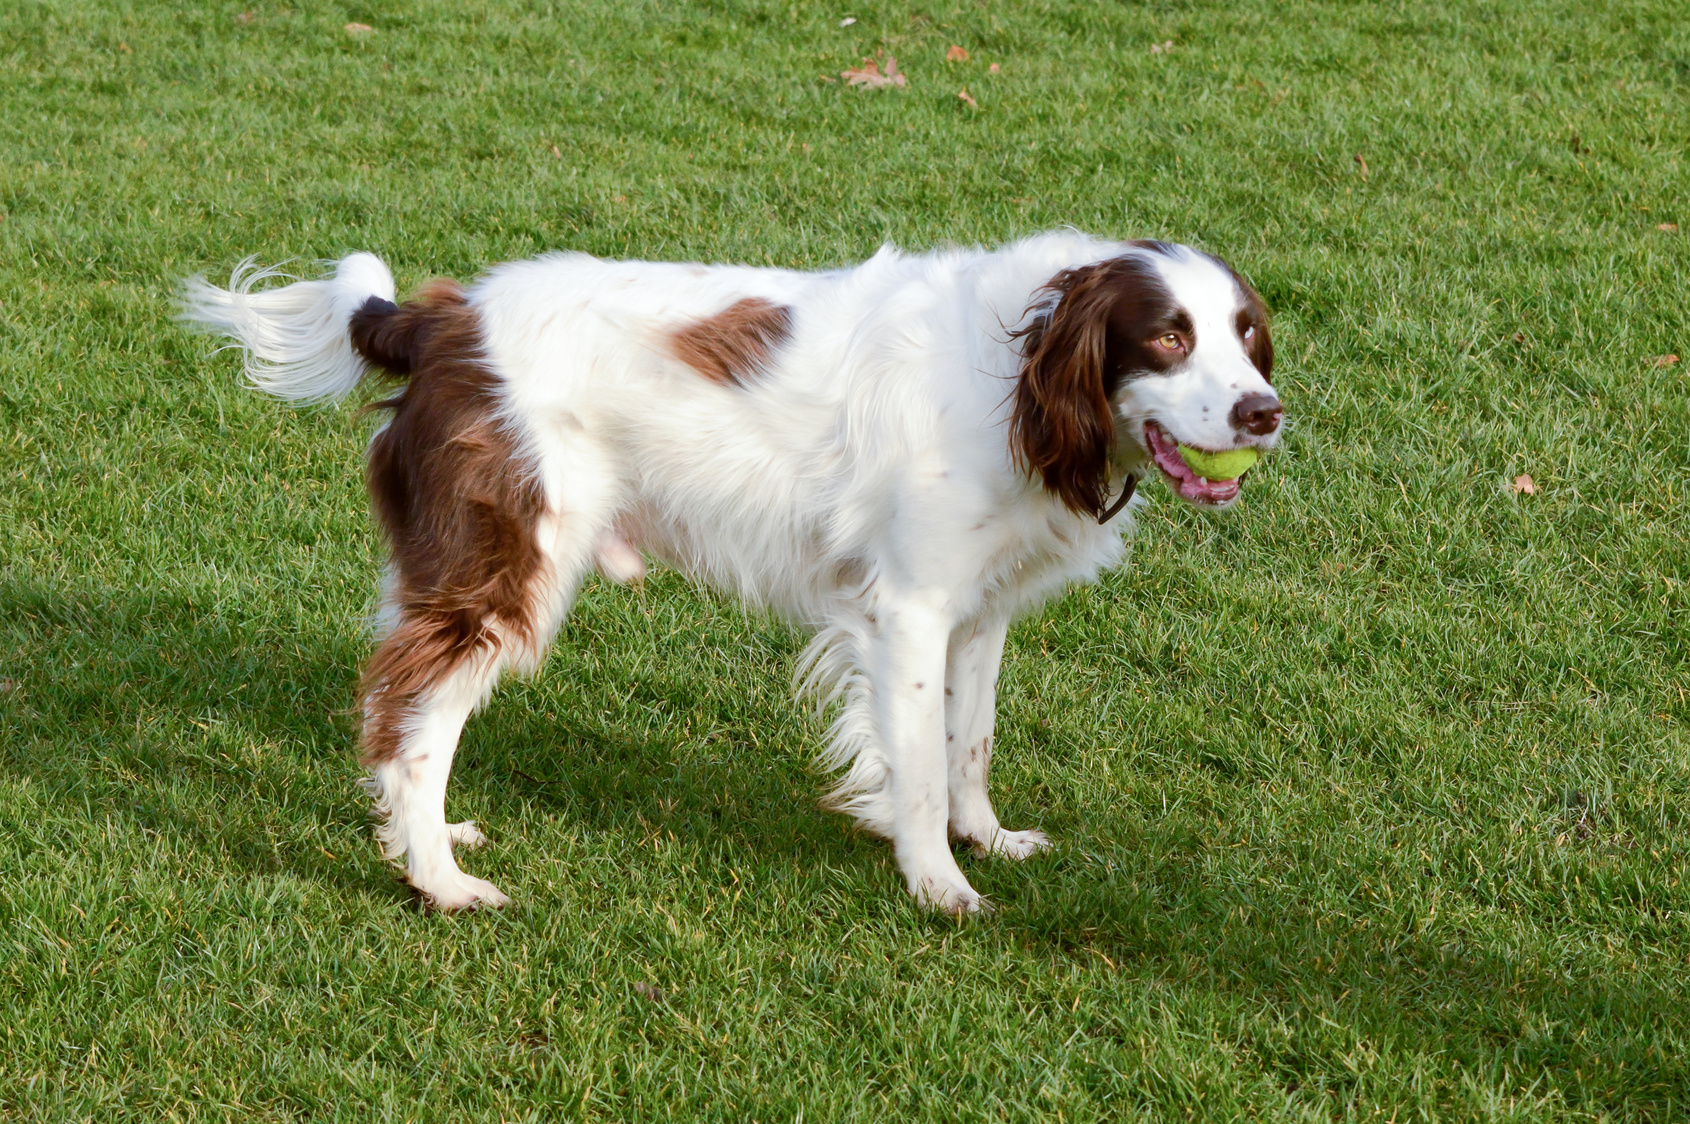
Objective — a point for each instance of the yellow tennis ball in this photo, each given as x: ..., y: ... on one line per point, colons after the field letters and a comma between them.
x: 1229, y: 465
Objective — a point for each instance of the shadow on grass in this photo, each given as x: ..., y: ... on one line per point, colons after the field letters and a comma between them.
x: 226, y: 731
x: 231, y: 732
x: 202, y: 725
x: 1325, y: 988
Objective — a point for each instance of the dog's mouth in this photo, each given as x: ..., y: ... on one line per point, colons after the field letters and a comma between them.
x: 1182, y: 478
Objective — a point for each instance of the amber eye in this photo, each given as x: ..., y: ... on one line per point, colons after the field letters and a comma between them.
x: 1170, y: 342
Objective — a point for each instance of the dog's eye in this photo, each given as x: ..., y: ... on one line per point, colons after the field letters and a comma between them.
x: 1170, y: 342
x: 1250, y: 332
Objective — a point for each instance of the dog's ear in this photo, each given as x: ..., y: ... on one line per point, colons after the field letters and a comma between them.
x: 1062, y: 426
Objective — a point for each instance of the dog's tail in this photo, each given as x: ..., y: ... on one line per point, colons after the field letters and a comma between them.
x: 309, y: 341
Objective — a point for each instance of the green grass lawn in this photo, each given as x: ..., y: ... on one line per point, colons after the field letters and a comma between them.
x: 1371, y: 796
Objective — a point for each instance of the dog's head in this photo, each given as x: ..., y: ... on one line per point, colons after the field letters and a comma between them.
x: 1131, y: 357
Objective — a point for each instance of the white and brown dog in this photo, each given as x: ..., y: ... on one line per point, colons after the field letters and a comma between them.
x: 903, y: 456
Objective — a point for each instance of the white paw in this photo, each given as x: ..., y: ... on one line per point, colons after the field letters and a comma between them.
x: 456, y: 891
x: 465, y: 835
x: 1015, y: 845
x: 950, y: 895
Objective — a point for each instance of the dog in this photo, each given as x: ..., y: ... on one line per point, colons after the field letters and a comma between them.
x: 903, y: 456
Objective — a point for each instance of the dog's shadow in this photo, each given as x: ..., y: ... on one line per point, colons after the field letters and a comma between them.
x: 195, y: 722
x: 232, y: 731
x: 209, y: 728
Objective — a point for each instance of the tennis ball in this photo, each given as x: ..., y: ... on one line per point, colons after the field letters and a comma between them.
x: 1218, y: 466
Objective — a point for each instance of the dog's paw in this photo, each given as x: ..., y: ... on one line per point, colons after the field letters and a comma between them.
x: 949, y: 895
x: 459, y: 891
x: 1015, y: 845
x: 465, y: 835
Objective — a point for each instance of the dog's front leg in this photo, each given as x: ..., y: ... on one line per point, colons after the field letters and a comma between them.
x: 908, y: 670
x: 971, y: 684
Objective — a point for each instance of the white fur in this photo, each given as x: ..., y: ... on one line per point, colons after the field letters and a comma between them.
x: 294, y: 336
x: 863, y: 484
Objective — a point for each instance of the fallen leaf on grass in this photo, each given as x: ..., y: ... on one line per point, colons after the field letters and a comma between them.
x: 993, y: 69
x: 1161, y: 48
x: 1526, y: 484
x: 870, y: 75
x: 556, y: 153
x: 358, y: 28
x: 963, y: 94
x: 1669, y: 227
x: 847, y: 21
x: 649, y: 991
x: 1362, y: 162
x: 956, y: 54
x: 245, y: 17
x: 1663, y: 360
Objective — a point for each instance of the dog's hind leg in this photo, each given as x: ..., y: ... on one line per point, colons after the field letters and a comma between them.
x: 493, y: 514
x: 409, y: 786
x: 429, y: 674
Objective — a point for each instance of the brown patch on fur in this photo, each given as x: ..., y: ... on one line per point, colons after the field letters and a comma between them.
x: 459, y: 501
x: 734, y: 344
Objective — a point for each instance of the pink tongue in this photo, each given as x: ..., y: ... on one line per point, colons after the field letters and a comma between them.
x: 1191, y: 485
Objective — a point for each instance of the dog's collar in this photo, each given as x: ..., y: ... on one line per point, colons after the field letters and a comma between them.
x: 1127, y: 486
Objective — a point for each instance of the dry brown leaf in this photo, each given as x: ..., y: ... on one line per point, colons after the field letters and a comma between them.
x: 649, y: 991
x: 871, y: 76
x: 358, y: 28
x: 956, y: 54
x: 556, y: 153
x: 963, y: 94
x: 1663, y: 360
x: 1524, y: 483
x: 1161, y: 48
x: 1362, y: 162
x: 1669, y: 227
x: 245, y: 17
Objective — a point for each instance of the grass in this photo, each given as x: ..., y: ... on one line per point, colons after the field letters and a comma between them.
x: 1372, y: 796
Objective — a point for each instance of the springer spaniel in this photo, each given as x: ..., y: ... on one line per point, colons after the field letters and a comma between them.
x: 903, y: 456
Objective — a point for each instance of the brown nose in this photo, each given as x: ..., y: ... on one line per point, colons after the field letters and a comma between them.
x: 1257, y: 413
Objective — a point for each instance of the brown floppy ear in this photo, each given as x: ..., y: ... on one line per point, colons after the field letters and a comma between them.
x: 1062, y: 426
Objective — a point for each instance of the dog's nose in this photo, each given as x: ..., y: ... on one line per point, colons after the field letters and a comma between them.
x: 1257, y: 413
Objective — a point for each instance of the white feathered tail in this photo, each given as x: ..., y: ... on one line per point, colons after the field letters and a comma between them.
x: 295, y: 337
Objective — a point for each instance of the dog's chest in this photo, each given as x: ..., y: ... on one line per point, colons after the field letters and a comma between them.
x: 1035, y: 555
